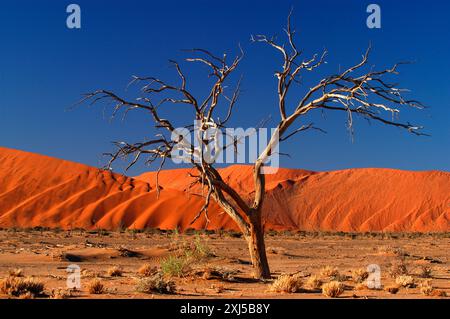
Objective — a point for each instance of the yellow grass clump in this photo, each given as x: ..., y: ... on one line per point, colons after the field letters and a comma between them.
x: 333, y: 289
x: 16, y: 272
x: 287, y: 283
x: 313, y: 283
x: 157, y: 283
x: 405, y: 281
x: 329, y: 272
x: 359, y: 275
x: 15, y: 286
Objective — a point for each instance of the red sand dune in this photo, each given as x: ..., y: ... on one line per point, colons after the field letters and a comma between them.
x: 37, y: 190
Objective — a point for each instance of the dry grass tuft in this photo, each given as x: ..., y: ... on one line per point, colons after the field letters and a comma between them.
x: 329, y: 272
x: 405, y: 281
x: 398, y: 269
x: 96, y: 287
x: 313, y: 283
x: 147, y: 270
x: 16, y: 272
x: 60, y: 293
x: 115, y: 271
x: 333, y: 289
x: 209, y: 273
x: 392, y: 289
x: 287, y: 283
x: 157, y: 284
x: 359, y: 275
x: 425, y: 272
x: 176, y: 266
x: 15, y: 286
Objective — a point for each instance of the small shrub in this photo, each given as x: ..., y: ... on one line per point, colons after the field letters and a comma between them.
x: 201, y: 249
x: 313, y: 283
x: 96, y: 287
x: 287, y: 283
x: 392, y: 289
x: 405, y: 281
x: 398, y: 269
x: 147, y: 270
x: 427, y: 290
x: 332, y: 289
x: 329, y: 272
x: 425, y: 272
x: 157, y: 283
x: 359, y: 275
x: 175, y: 266
x: 115, y: 271
x: 15, y: 286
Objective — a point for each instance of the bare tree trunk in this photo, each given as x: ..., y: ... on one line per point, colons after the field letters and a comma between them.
x: 256, y: 247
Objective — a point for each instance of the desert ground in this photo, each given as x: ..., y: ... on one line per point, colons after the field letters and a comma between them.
x: 216, y: 264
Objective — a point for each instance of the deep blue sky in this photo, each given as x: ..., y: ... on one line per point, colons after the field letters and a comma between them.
x: 45, y: 67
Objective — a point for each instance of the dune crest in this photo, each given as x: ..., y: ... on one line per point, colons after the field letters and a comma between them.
x: 37, y: 190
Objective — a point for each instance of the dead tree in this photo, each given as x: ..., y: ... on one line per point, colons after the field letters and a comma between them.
x: 357, y: 91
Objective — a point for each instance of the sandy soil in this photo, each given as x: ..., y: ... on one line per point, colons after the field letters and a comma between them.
x: 45, y: 254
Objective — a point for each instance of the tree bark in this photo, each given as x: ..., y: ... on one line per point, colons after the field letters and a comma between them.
x: 257, y: 248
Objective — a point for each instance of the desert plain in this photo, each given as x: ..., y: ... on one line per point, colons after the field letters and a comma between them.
x: 220, y: 266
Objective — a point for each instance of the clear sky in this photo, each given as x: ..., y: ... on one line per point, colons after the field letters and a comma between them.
x: 45, y: 67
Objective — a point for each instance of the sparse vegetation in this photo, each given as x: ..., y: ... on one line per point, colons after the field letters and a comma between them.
x: 147, y: 270
x: 425, y: 271
x: 115, y: 271
x: 398, y: 268
x: 313, y: 283
x: 16, y: 286
x: 392, y: 251
x: 60, y: 293
x: 96, y: 287
x: 16, y: 272
x: 175, y: 266
x: 333, y: 289
x: 359, y: 275
x: 157, y: 284
x: 329, y: 272
x: 287, y: 283
x: 201, y: 249
x: 405, y: 281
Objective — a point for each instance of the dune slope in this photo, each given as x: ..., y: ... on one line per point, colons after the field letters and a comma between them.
x: 37, y: 190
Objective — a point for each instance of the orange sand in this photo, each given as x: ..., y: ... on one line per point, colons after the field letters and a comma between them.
x: 37, y: 190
